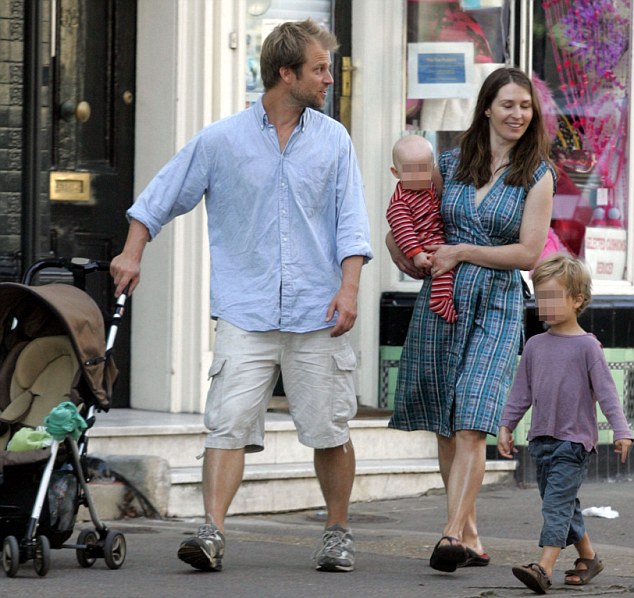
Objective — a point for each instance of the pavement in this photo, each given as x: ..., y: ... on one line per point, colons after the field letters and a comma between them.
x: 270, y: 555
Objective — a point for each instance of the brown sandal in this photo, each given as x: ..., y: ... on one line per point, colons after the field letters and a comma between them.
x: 594, y: 566
x: 533, y: 576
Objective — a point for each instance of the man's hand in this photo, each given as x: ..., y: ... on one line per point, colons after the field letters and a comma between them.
x: 345, y: 303
x: 125, y: 271
x: 126, y: 267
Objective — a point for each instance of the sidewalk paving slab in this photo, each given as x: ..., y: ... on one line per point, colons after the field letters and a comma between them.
x: 270, y: 555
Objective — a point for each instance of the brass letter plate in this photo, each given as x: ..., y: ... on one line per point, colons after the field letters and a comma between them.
x: 70, y: 186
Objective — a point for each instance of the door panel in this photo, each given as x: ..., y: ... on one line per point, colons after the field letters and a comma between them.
x: 93, y: 135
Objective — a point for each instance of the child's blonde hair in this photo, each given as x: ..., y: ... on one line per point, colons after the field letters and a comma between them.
x: 570, y: 272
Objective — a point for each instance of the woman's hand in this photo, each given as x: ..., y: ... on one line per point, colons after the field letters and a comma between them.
x: 444, y: 258
x: 403, y: 263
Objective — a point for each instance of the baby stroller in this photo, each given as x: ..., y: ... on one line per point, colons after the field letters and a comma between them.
x: 53, y: 353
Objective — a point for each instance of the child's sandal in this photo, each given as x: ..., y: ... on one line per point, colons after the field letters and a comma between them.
x: 533, y: 576
x: 594, y: 566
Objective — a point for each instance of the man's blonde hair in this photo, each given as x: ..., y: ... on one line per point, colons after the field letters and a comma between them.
x: 286, y: 46
x: 570, y: 272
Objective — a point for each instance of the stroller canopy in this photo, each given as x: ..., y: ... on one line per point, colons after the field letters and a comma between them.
x: 29, y: 312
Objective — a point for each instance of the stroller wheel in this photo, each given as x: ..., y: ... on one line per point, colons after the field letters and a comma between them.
x: 42, y: 558
x: 10, y: 556
x: 114, y: 549
x: 85, y: 556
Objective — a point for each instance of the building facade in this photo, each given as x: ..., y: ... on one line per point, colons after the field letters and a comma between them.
x: 96, y: 95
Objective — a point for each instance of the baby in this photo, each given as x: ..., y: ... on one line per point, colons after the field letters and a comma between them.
x: 414, y: 215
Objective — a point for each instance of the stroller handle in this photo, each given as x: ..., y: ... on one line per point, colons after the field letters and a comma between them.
x: 79, y: 267
x: 116, y: 319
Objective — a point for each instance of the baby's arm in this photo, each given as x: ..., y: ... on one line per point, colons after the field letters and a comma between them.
x: 401, y: 221
x: 421, y: 260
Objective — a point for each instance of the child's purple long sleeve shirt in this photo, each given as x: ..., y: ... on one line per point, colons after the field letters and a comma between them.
x: 561, y: 378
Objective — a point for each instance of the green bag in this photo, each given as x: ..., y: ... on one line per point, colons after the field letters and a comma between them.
x: 28, y: 439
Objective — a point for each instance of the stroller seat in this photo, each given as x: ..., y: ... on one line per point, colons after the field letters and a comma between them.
x: 53, y: 351
x: 42, y: 379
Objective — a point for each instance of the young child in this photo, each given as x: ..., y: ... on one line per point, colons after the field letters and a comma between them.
x: 414, y: 215
x: 562, y: 374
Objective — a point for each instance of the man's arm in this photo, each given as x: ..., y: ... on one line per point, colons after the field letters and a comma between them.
x: 345, y: 301
x: 126, y: 267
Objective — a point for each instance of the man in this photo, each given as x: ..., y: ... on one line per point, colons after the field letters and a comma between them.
x: 288, y: 235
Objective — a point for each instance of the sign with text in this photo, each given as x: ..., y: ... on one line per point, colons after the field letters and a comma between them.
x: 605, y: 252
x: 440, y: 70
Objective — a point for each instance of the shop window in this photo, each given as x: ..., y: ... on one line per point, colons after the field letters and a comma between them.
x: 262, y: 17
x: 581, y: 65
x: 452, y: 45
x: 581, y: 52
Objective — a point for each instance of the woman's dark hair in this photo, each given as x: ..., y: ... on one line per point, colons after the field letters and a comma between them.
x: 475, y: 145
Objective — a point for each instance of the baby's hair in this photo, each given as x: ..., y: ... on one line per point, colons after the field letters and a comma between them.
x: 410, y: 141
x: 570, y: 272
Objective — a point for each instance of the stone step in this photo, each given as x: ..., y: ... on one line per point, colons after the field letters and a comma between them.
x: 180, y: 439
x: 283, y: 487
x: 390, y: 464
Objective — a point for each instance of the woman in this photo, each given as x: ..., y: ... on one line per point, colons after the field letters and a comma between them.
x: 453, y: 379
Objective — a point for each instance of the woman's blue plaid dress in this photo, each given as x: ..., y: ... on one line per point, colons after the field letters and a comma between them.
x: 457, y: 376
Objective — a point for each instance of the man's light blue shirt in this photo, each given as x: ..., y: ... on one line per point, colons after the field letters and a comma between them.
x: 280, y: 223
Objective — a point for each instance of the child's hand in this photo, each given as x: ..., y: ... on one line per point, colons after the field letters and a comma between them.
x: 622, y: 447
x: 422, y: 262
x: 506, y: 445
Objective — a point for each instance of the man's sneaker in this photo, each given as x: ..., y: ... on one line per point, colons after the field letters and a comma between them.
x: 336, y: 551
x: 205, y: 550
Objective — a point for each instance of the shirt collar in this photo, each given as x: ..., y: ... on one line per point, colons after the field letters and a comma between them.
x: 263, y: 119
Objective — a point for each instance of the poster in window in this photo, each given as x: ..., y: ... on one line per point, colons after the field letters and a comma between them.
x: 440, y: 70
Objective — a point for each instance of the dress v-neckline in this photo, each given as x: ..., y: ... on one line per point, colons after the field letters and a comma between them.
x: 477, y: 203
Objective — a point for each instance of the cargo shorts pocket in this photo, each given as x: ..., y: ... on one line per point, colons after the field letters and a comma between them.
x: 344, y: 399
x: 213, y: 407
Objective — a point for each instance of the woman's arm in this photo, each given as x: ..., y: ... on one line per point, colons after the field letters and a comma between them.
x: 436, y: 178
x: 522, y: 255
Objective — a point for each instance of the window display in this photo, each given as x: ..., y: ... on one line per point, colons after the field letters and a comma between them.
x: 451, y: 33
x: 581, y: 67
x: 583, y: 56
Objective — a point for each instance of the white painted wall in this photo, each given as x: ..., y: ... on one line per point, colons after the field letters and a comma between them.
x: 377, y: 116
x: 186, y: 78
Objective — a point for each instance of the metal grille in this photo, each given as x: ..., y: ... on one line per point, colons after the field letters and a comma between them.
x: 628, y: 391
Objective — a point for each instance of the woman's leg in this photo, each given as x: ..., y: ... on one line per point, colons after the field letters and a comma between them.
x: 462, y: 464
x: 446, y: 452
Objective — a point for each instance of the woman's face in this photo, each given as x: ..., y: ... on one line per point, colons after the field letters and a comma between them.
x: 510, y: 113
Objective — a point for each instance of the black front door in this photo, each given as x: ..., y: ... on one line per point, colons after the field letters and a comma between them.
x: 91, y: 179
